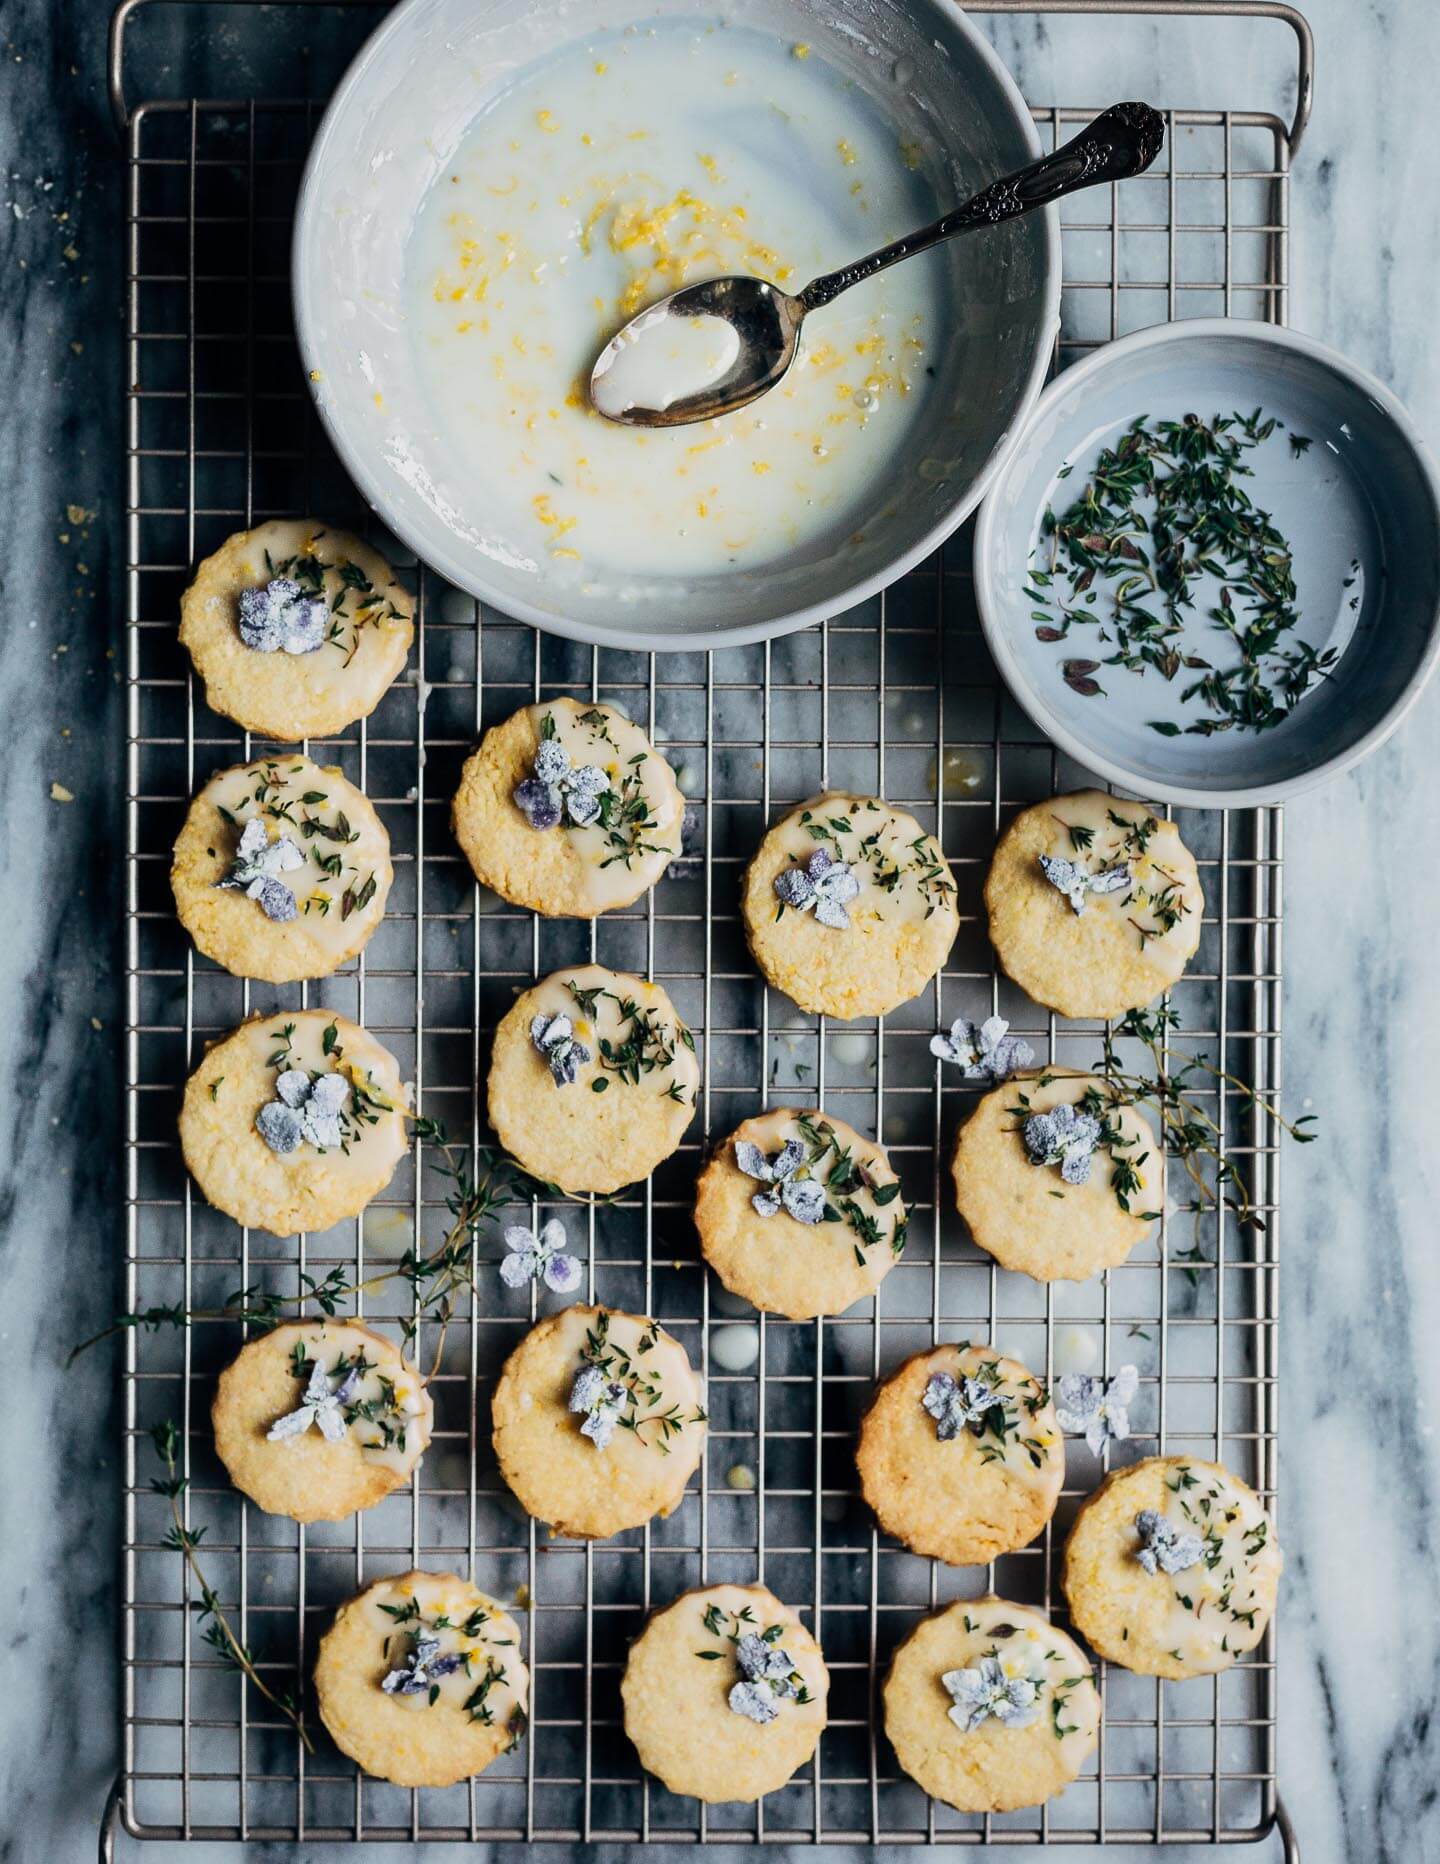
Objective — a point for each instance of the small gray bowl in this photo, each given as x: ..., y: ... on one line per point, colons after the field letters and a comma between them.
x: 1359, y: 506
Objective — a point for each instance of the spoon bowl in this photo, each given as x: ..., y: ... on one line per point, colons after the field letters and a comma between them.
x: 640, y: 380
x: 765, y: 319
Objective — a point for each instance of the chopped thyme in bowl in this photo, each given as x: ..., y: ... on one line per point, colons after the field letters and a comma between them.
x: 1162, y: 533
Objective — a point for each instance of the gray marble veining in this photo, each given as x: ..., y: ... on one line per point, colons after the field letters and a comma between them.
x: 1360, y: 1712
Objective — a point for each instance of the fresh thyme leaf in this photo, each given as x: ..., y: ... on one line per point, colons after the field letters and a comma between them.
x: 1163, y: 519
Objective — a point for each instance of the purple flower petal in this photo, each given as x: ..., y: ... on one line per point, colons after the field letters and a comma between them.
x: 279, y: 1127
x: 755, y: 1701
x: 277, y: 902
x: 518, y: 1269
x: 562, y: 1273
x: 552, y: 761
x: 538, y: 802
x: 752, y: 1160
x: 293, y: 1087
x: 804, y: 1199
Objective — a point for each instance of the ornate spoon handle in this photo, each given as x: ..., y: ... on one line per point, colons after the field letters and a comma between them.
x: 1122, y: 141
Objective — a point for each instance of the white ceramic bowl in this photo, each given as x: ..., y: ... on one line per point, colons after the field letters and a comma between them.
x: 1359, y: 507
x: 405, y: 104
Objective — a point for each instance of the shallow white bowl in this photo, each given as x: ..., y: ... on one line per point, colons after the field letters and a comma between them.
x: 1360, y: 509
x: 405, y: 104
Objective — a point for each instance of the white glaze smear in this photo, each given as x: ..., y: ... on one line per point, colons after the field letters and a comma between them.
x: 662, y: 359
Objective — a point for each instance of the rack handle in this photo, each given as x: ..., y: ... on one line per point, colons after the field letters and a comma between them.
x: 1194, y: 9
x: 1206, y: 9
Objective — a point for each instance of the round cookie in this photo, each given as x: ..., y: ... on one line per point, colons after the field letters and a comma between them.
x: 960, y: 1455
x: 989, y: 1707
x: 319, y: 1419
x: 849, y: 906
x: 1133, y: 933
x: 324, y: 1091
x: 1030, y: 1216
x: 724, y: 1694
x: 593, y: 1079
x: 270, y: 687
x: 598, y: 1421
x: 458, y: 1689
x: 1172, y: 1568
x: 809, y: 1223
x: 298, y: 893
x: 568, y: 809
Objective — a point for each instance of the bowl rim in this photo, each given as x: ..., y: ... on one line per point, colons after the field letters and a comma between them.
x: 455, y: 566
x: 987, y: 599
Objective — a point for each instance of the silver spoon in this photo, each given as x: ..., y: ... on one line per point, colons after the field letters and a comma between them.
x: 1123, y: 141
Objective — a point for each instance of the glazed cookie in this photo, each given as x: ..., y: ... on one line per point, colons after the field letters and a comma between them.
x: 989, y: 1707
x: 282, y: 870
x: 849, y: 906
x: 1095, y: 904
x: 420, y: 1680
x: 598, y: 1421
x: 724, y: 1694
x: 296, y: 630
x: 568, y: 809
x: 1172, y: 1568
x: 799, y: 1215
x: 593, y: 1079
x: 319, y: 1419
x: 960, y: 1455
x: 294, y: 1121
x: 1055, y: 1178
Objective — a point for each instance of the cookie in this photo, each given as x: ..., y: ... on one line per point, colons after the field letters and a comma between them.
x: 598, y: 1421
x: 960, y: 1455
x: 319, y: 1419
x: 1172, y: 1568
x: 294, y: 1121
x: 282, y: 869
x: 849, y: 906
x: 420, y: 1680
x: 724, y: 1694
x: 1055, y: 1193
x: 989, y: 1707
x: 296, y: 629
x: 799, y: 1215
x: 593, y: 1079
x: 569, y: 810
x: 1095, y: 904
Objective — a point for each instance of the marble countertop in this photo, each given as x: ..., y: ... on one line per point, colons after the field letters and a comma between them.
x: 1360, y: 1692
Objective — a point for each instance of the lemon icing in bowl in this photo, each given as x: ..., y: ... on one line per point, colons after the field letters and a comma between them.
x: 602, y: 179
x: 893, y: 111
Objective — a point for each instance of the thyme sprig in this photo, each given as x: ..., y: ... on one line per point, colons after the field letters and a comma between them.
x: 437, y: 1277
x: 1189, y: 1130
x: 1163, y: 513
x: 218, y: 1632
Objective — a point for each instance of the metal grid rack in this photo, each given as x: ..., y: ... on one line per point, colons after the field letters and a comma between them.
x: 221, y: 436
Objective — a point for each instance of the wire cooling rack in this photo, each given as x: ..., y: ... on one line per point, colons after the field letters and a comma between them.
x: 221, y: 436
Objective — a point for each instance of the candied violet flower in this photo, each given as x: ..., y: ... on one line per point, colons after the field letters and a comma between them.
x: 956, y: 1403
x: 304, y: 1109
x: 983, y: 1690
x: 1097, y: 1406
x: 558, y: 789
x: 1163, y: 1547
x: 421, y: 1667
x: 257, y: 864
x: 320, y: 1406
x: 1073, y: 881
x: 539, y: 1258
x: 803, y: 1198
x: 983, y: 1053
x: 554, y: 1037
x: 1065, y: 1138
x: 602, y: 1401
x: 822, y: 882
x: 768, y: 1675
x: 279, y: 619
